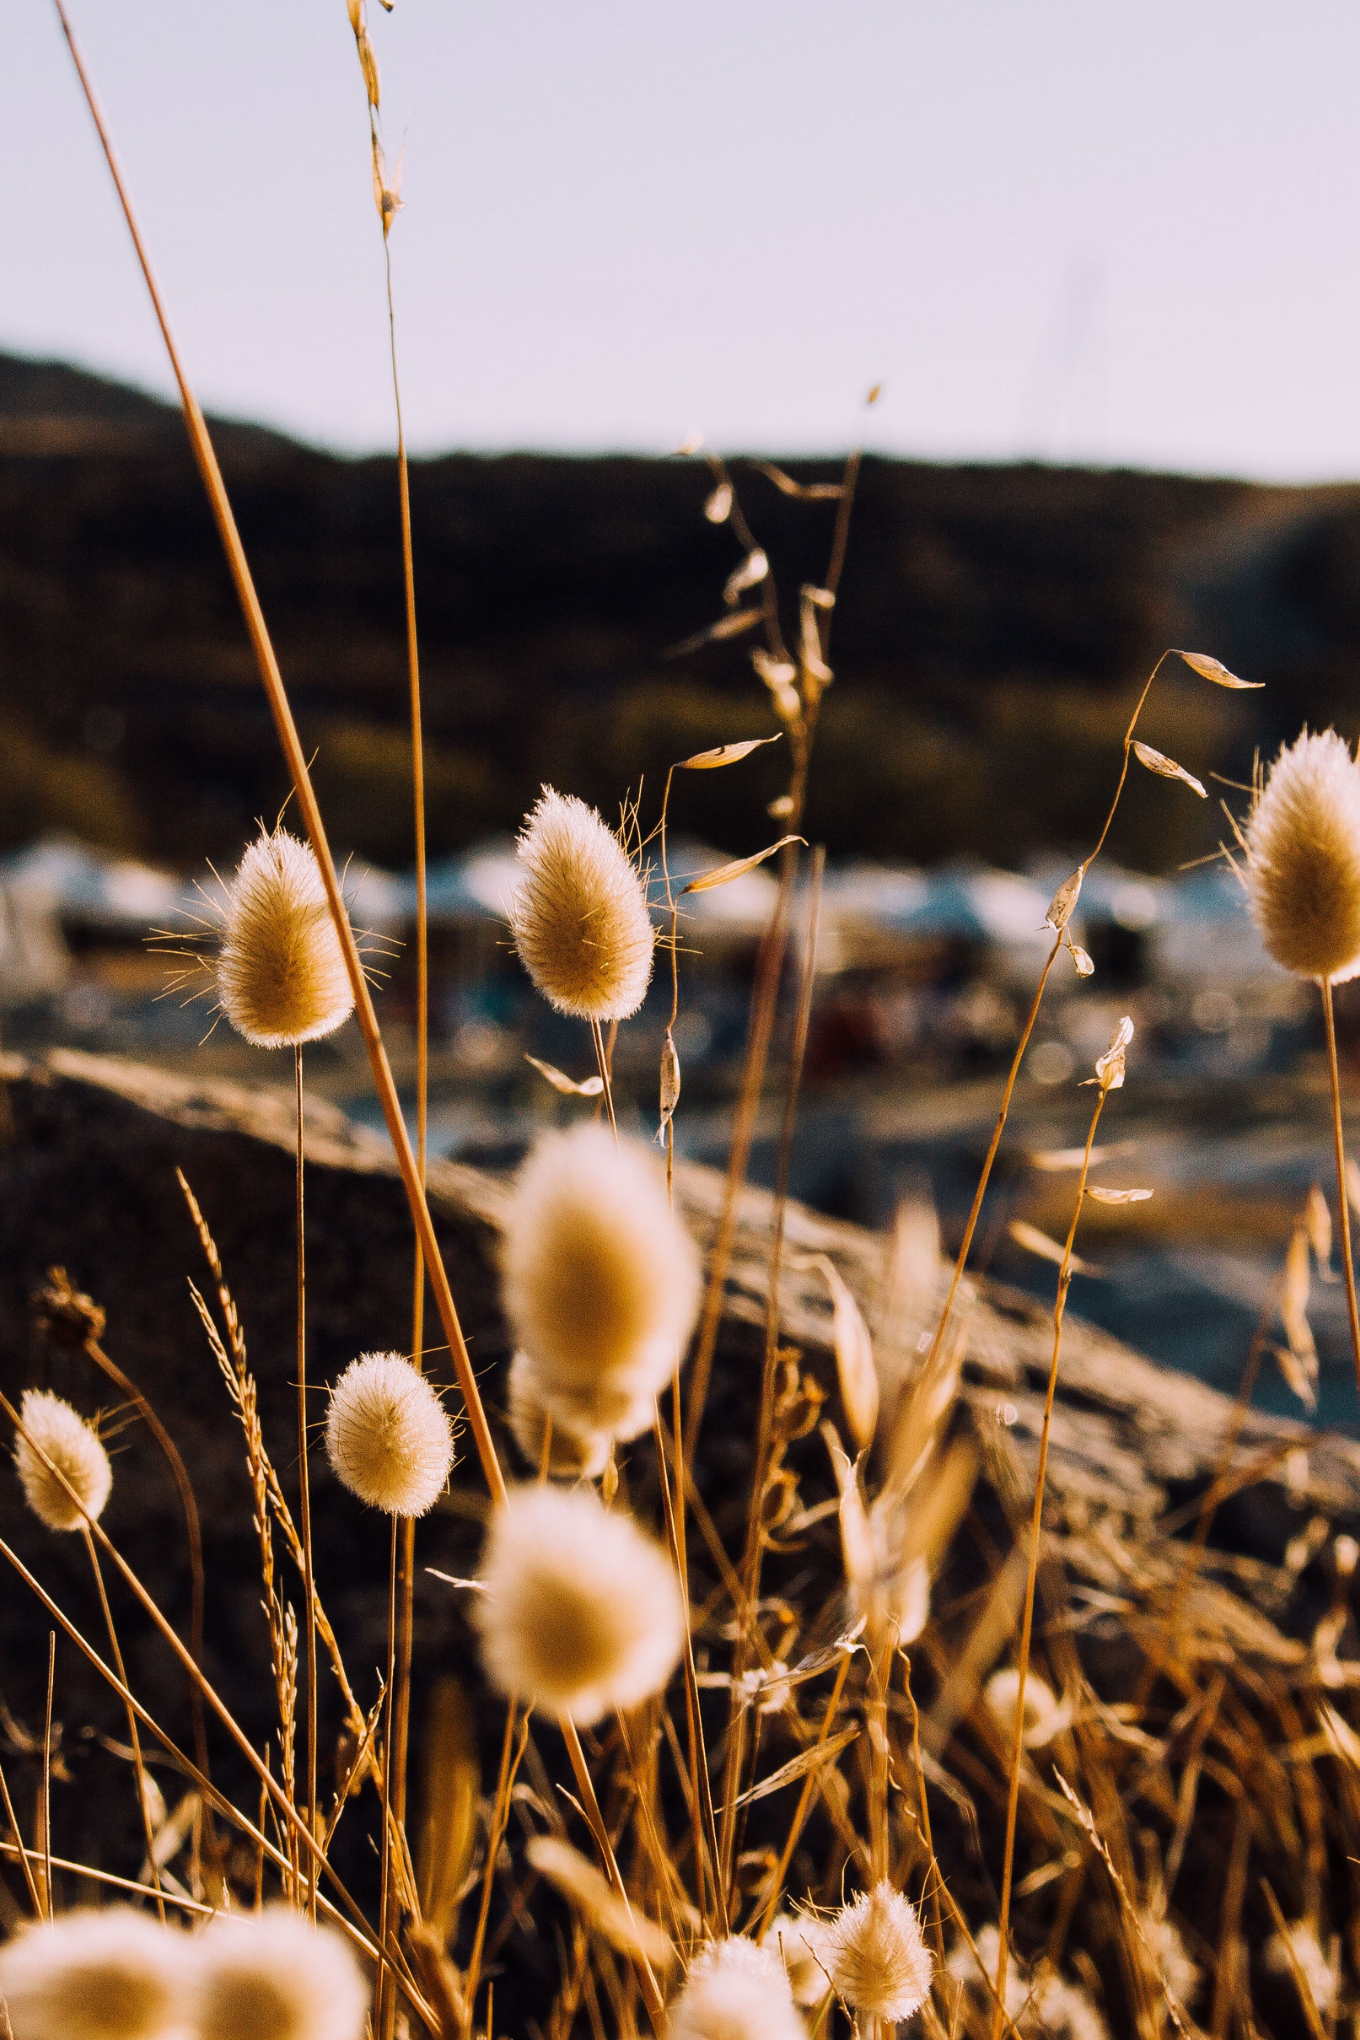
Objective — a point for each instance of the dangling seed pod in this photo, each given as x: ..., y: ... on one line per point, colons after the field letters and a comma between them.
x: 580, y: 917
x: 281, y: 975
x: 71, y: 1444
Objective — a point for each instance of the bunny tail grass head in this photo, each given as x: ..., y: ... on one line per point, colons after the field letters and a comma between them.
x: 99, y: 1975
x: 272, y: 1976
x: 1045, y: 1715
x: 800, y: 1940
x: 876, y: 1956
x: 600, y: 1280
x: 573, y: 1454
x: 736, y: 1991
x: 1303, y: 859
x: 579, y: 915
x: 71, y: 1444
x: 388, y: 1436
x: 581, y: 1612
x: 281, y: 975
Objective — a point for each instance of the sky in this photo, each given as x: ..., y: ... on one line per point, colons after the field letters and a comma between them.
x: 1077, y: 232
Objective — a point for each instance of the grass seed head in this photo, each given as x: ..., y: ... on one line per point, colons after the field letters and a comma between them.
x: 876, y: 1955
x: 580, y: 917
x: 388, y: 1436
x: 581, y: 1612
x: 281, y: 974
x: 736, y: 1991
x: 71, y: 1444
x: 273, y: 1976
x: 1045, y: 1715
x: 111, y: 1974
x: 574, y: 1453
x: 1318, y: 1971
x: 600, y: 1279
x: 1303, y: 859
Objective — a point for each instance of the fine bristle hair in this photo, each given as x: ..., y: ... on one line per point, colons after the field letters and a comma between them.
x: 580, y: 1611
x: 1045, y: 1715
x: 579, y: 915
x: 274, y: 1976
x: 801, y: 1943
x: 388, y: 1436
x: 876, y: 1955
x: 281, y: 976
x: 735, y: 1990
x: 109, y: 1974
x: 1303, y: 859
x: 600, y: 1280
x: 71, y: 1444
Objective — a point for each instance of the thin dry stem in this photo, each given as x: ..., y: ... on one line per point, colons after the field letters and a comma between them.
x: 1343, y: 1201
x: 139, y: 1769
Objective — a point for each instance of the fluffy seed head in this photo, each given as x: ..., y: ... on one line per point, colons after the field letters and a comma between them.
x: 600, y: 1280
x: 1174, y: 1962
x: 801, y: 1943
x: 876, y: 1956
x: 99, y: 1975
x: 736, y: 1991
x: 1319, y: 1972
x: 70, y: 1443
x: 388, y: 1435
x: 1045, y: 1715
x: 1042, y: 2004
x: 281, y: 973
x: 572, y: 1454
x: 581, y: 1612
x: 272, y: 1976
x: 579, y: 916
x: 1303, y: 859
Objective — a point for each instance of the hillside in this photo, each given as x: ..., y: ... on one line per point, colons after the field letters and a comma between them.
x: 992, y: 626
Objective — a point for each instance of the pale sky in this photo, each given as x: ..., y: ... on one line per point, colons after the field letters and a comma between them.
x: 1055, y: 227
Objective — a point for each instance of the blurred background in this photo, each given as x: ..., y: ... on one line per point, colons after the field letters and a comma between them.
x: 1099, y: 267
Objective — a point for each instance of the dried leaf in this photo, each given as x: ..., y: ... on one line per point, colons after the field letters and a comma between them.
x: 1064, y: 900
x: 1296, y: 1377
x: 718, y: 508
x: 1035, y: 1242
x: 170, y: 1839
x: 368, y: 63
x: 1317, y: 1217
x: 739, y: 866
x: 1167, y: 768
x: 1110, y: 1066
x: 857, y: 1538
x: 802, y: 492
x: 1085, y: 966
x: 1215, y: 670
x: 810, y: 648
x: 749, y: 574
x: 1294, y: 1301
x: 589, y: 1087
x: 723, y: 754
x: 810, y: 1759
x: 854, y: 1357
x: 613, y: 1918
x: 670, y: 1080
x: 1103, y: 1196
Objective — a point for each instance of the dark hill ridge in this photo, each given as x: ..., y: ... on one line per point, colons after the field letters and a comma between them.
x: 993, y: 625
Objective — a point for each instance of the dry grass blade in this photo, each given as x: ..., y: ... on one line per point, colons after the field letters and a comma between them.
x: 611, y: 1916
x: 726, y: 754
x: 798, y: 1767
x: 854, y: 1350
x: 1035, y: 1242
x: 1086, y: 1821
x: 448, y: 1830
x: 1103, y: 1195
x: 588, y: 1087
x: 1317, y: 1218
x: 1296, y: 1970
x: 725, y: 873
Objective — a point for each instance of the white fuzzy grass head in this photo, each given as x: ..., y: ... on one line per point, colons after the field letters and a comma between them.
x: 71, y: 1444
x: 800, y: 1941
x: 99, y: 1975
x: 735, y: 1990
x: 281, y: 977
x: 388, y: 1436
x: 581, y: 1612
x: 273, y: 1976
x: 572, y: 1454
x: 876, y: 1955
x: 599, y: 1278
x: 1045, y: 1715
x: 1319, y: 1972
x: 579, y: 915
x: 1303, y: 859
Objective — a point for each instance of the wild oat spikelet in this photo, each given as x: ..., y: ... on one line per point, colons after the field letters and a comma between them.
x: 70, y: 1443
x: 388, y: 1436
x: 111, y: 1974
x: 581, y: 1612
x: 580, y: 917
x: 876, y: 1955
x: 1045, y: 1715
x: 800, y: 1941
x: 600, y: 1280
x: 272, y: 1976
x: 281, y: 975
x: 736, y: 1991
x: 1303, y: 859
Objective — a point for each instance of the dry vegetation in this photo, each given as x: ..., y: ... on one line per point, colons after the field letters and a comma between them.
x: 879, y: 1735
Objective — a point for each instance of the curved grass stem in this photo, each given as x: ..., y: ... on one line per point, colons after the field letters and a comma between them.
x: 1343, y: 1201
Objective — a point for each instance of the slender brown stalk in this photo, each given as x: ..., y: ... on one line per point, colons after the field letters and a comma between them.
x: 1036, y: 1527
x: 701, y: 1787
x: 139, y: 1769
x: 304, y: 1487
x: 602, y: 1064
x: 386, y: 1997
x: 500, y: 1813
x: 804, y: 1801
x: 34, y: 1896
x: 1343, y: 1202
x: 47, y: 1771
